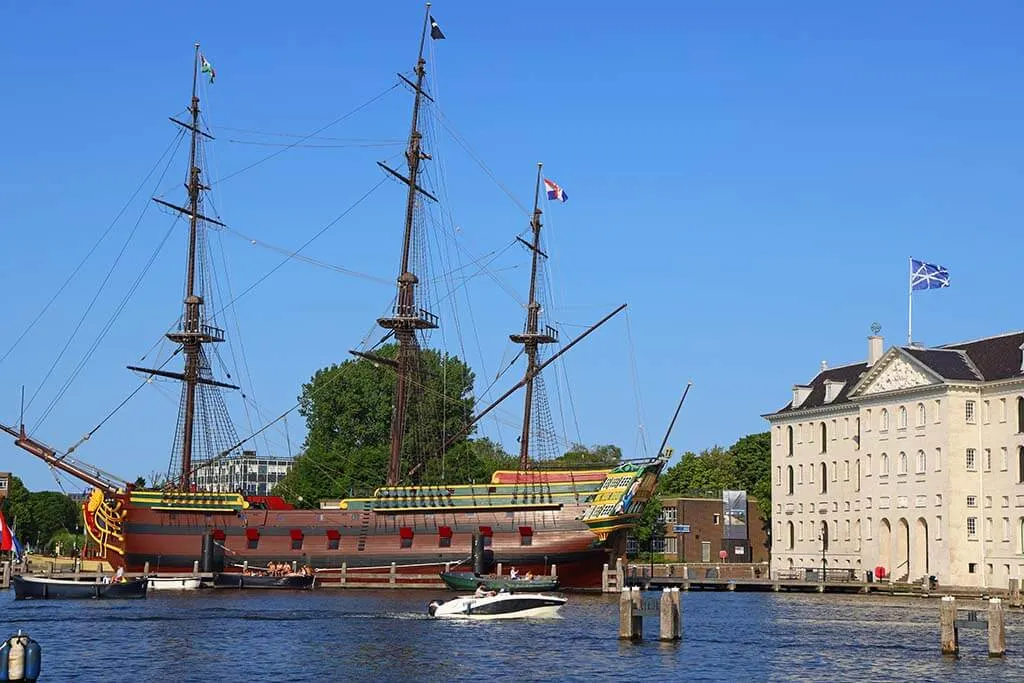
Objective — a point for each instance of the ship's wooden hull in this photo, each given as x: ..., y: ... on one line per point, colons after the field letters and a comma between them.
x: 531, y: 540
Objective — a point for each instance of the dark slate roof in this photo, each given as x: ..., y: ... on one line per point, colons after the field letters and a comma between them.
x: 948, y: 363
x: 995, y: 357
x: 846, y: 373
x: 989, y: 359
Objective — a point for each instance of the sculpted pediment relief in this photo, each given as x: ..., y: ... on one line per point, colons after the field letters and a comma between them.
x: 898, y: 373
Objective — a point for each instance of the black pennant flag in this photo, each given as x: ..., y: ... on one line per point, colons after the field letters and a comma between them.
x: 435, y: 30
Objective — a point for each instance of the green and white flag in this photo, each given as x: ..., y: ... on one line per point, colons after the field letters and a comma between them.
x: 207, y: 68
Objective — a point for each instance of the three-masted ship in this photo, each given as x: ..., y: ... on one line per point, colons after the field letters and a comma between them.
x: 532, y: 518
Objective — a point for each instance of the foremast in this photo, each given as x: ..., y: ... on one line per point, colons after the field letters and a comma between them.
x: 194, y: 333
x: 532, y: 337
x: 407, y: 317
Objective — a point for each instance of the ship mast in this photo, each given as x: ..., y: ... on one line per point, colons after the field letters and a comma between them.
x: 532, y: 338
x: 407, y: 318
x: 193, y: 333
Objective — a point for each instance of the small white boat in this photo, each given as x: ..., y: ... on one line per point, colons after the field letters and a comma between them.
x: 173, y: 583
x: 500, y: 606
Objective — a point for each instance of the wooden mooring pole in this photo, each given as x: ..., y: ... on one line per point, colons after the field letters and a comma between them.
x: 631, y: 622
x: 947, y: 624
x: 671, y: 615
x: 996, y: 629
x: 1014, y: 592
x: 5, y: 575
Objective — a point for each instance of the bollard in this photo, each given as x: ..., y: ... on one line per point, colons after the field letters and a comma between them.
x: 669, y: 627
x: 604, y: 578
x: 245, y: 567
x: 678, y: 604
x: 949, y: 636
x: 554, y: 570
x: 145, y: 569
x: 5, y: 575
x: 996, y: 629
x: 499, y: 569
x: 620, y: 574
x: 626, y: 616
x: 195, y: 568
x: 295, y: 566
x: 344, y: 573
x: 1014, y: 592
x: 636, y: 598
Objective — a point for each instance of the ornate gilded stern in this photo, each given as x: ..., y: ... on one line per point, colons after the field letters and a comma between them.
x: 104, y: 518
x: 622, y: 496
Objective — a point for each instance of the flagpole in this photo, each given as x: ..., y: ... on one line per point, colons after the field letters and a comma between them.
x: 910, y: 301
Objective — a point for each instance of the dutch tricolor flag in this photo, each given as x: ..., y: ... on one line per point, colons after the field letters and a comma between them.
x: 554, y: 191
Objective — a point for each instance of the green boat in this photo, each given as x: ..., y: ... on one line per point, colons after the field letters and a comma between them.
x: 468, y: 581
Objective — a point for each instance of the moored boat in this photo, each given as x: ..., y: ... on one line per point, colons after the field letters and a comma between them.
x: 263, y: 582
x: 500, y: 606
x: 467, y: 581
x: 44, y: 588
x: 173, y: 583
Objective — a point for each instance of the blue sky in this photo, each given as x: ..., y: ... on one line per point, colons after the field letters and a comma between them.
x: 751, y: 179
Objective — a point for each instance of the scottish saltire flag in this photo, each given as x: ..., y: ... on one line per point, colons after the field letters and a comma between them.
x: 927, y: 275
x: 6, y: 537
x: 554, y: 191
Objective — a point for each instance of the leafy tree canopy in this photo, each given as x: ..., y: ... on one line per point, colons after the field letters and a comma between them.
x: 37, y: 516
x: 583, y: 457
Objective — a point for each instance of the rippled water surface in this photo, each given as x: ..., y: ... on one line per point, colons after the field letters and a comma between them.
x: 386, y: 636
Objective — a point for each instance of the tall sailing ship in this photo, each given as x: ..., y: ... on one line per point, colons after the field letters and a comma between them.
x: 532, y: 518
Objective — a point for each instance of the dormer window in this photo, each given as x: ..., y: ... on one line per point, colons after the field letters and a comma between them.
x: 832, y: 389
x: 800, y: 394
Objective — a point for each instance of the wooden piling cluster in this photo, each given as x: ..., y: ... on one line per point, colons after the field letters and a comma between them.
x: 949, y: 635
x: 632, y: 612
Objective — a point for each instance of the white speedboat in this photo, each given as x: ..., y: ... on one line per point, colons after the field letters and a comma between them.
x: 173, y: 583
x: 500, y: 606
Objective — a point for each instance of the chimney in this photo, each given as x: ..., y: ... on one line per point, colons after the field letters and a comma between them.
x: 875, y: 347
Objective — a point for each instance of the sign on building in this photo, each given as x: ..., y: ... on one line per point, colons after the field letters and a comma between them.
x: 734, y: 512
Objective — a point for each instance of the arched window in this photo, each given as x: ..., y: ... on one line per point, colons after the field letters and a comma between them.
x: 884, y: 420
x: 824, y: 435
x: 824, y: 478
x: 789, y: 436
x: 792, y: 535
x: 789, y: 475
x: 921, y: 415
x: 902, y: 464
x: 1020, y: 464
x: 883, y: 465
x: 858, y: 432
x: 901, y: 419
x: 824, y: 536
x: 922, y: 462
x: 1020, y: 414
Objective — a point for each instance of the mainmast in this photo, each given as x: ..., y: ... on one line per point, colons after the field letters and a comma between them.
x: 532, y: 338
x: 193, y: 333
x: 407, y: 318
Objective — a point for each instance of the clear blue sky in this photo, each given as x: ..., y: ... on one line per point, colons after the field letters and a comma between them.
x: 751, y: 178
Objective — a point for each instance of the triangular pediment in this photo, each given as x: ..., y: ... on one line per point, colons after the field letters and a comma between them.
x: 895, y: 371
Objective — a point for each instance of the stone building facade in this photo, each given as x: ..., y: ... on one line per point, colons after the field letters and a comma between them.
x: 910, y: 464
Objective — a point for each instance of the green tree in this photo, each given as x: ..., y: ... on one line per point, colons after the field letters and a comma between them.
x: 67, y: 543
x: 594, y: 457
x: 471, y: 461
x: 752, y: 456
x: 704, y: 473
x: 348, y: 414
x: 50, y: 512
x: 649, y: 525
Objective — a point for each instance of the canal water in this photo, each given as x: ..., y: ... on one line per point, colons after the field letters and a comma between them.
x: 386, y: 636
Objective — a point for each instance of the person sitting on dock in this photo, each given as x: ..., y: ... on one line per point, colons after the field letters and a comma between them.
x: 513, y: 573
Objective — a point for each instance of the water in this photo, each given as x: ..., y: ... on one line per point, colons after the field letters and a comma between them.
x: 386, y: 636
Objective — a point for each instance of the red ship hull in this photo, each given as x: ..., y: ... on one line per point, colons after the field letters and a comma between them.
x: 531, y: 540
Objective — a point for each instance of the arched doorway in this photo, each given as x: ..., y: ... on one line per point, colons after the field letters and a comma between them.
x: 919, y: 561
x: 885, y: 546
x: 902, y: 566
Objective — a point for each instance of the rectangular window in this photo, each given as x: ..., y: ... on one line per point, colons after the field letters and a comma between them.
x: 444, y: 537
x: 988, y: 501
x: 526, y: 534
x: 405, y: 536
x: 867, y: 528
x: 835, y: 471
x: 1006, y: 501
x: 984, y: 412
x: 988, y: 459
x: 252, y: 538
x: 938, y: 409
x: 1004, y: 459
x: 938, y: 528
x: 716, y: 519
x: 972, y: 527
x: 938, y: 459
x: 972, y: 501
x: 488, y: 535
x: 972, y: 567
x: 938, y: 500
x: 333, y: 539
x: 988, y: 528
x: 867, y: 420
x: 1006, y: 529
x: 972, y: 465
x: 846, y: 470
x: 846, y: 427
x: 296, y: 536
x: 1002, y: 410
x: 969, y: 412
x: 778, y: 475
x: 799, y: 474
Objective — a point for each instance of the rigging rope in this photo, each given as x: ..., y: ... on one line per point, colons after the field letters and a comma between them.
x: 303, y: 139
x: 102, y: 286
x: 176, y: 140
